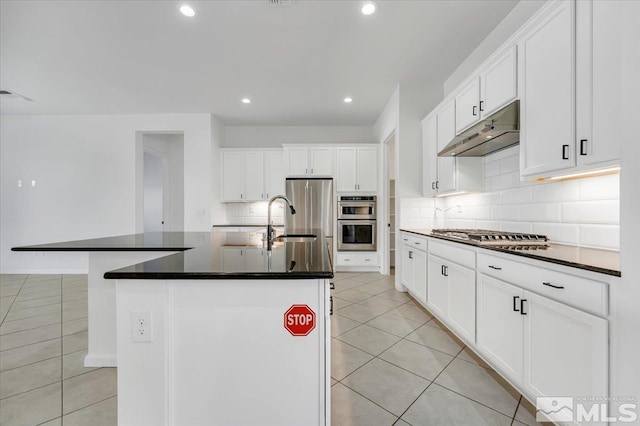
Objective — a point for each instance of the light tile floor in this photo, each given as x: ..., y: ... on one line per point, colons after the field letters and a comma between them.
x: 392, y: 362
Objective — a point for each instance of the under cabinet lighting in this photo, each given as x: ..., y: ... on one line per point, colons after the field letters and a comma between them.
x: 450, y: 194
x: 592, y: 173
x: 187, y: 11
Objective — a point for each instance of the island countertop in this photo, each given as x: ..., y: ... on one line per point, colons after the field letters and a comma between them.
x: 210, y: 255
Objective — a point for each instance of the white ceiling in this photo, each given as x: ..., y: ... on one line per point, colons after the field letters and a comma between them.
x: 296, y: 63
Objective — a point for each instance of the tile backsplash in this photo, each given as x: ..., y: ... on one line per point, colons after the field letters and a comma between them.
x: 248, y: 213
x: 583, y: 212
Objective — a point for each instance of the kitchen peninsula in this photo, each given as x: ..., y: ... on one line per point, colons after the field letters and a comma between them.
x: 217, y: 323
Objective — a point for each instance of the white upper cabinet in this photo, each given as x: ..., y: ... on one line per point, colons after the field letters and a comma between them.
x: 498, y: 82
x: 546, y: 86
x: 468, y: 105
x: 446, y: 181
x: 443, y: 175
x: 305, y: 161
x: 598, y: 89
x: 346, y: 175
x: 254, y: 175
x: 430, y: 155
x: 251, y: 175
x: 275, y: 179
x: 483, y: 95
x: 357, y: 169
x: 297, y: 161
x: 233, y: 176
x: 367, y: 169
x: 321, y: 163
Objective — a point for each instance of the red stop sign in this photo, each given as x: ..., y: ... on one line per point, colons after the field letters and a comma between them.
x: 299, y: 320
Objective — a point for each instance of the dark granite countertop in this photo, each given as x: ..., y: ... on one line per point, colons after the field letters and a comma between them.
x: 210, y: 255
x: 590, y: 259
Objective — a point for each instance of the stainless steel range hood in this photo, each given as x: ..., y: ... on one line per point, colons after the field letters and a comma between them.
x: 498, y: 131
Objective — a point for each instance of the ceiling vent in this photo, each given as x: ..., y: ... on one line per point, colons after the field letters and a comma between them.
x: 5, y: 94
x: 281, y: 2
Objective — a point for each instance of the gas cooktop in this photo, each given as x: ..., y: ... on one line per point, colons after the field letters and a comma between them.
x: 484, y: 237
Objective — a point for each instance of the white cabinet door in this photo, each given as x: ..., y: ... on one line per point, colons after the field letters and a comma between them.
x: 565, y: 349
x: 407, y: 267
x: 367, y: 169
x: 437, y: 292
x: 254, y: 259
x: 446, y: 130
x: 420, y: 275
x: 297, y: 161
x: 232, y: 259
x: 547, y: 93
x: 275, y: 177
x: 346, y: 174
x: 321, y: 162
x: 233, y: 176
x: 461, y: 310
x: 500, y: 325
x: 430, y: 156
x: 498, y: 83
x: 467, y: 105
x: 254, y: 175
x: 598, y: 89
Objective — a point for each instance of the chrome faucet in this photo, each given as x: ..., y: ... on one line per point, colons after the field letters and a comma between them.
x: 270, y: 230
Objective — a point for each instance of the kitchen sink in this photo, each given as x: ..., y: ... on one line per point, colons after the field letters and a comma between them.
x: 295, y: 238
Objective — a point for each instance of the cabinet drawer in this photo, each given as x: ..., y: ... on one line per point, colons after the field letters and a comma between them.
x: 415, y: 241
x: 580, y: 292
x: 459, y: 255
x: 357, y: 259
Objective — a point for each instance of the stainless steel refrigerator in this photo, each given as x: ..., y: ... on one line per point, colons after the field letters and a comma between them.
x: 313, y: 201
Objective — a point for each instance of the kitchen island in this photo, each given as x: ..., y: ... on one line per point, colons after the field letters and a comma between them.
x: 224, y: 333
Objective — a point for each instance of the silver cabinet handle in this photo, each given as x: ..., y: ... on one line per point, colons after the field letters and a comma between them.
x: 311, y: 171
x: 495, y: 267
x: 410, y: 255
x: 306, y: 172
x: 262, y: 196
x: 367, y: 260
x: 241, y: 196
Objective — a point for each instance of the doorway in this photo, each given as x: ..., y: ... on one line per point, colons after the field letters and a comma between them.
x: 391, y: 201
x: 162, y: 182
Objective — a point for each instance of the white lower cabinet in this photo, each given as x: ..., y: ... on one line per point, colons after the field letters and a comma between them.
x: 500, y: 325
x: 364, y: 260
x: 545, y: 330
x: 565, y: 349
x: 452, y: 296
x: 547, y: 347
x: 414, y: 266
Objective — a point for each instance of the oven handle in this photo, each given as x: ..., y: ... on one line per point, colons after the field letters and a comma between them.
x: 356, y: 222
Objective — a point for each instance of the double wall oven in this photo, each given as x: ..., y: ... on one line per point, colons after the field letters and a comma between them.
x: 357, y: 223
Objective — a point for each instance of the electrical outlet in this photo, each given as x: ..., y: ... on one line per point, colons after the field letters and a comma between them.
x: 141, y: 326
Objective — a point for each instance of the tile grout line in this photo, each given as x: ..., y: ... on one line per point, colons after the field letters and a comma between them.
x: 61, y: 356
x: 14, y: 300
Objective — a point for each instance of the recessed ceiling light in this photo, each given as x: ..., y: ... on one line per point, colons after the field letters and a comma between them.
x: 246, y: 101
x: 348, y: 100
x: 369, y: 8
x: 187, y: 11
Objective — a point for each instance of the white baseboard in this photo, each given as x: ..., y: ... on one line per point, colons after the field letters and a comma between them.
x: 101, y: 360
x: 44, y: 271
x: 357, y: 268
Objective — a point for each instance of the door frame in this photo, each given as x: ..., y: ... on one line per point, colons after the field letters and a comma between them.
x: 385, y: 267
x: 166, y: 190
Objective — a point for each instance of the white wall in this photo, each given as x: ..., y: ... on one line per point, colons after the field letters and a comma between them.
x: 508, y: 26
x: 274, y: 136
x: 88, y: 179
